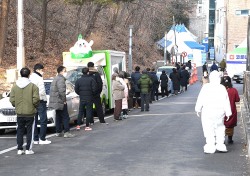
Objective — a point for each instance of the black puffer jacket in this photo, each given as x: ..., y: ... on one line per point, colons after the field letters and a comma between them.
x: 86, y: 88
x: 97, y: 77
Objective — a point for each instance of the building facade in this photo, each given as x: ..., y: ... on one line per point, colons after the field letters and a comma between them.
x: 231, y: 20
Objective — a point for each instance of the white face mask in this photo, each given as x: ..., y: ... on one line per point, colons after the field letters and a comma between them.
x: 65, y: 74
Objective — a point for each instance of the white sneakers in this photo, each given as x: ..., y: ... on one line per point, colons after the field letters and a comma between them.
x: 27, y: 152
x: 42, y: 142
x: 20, y: 152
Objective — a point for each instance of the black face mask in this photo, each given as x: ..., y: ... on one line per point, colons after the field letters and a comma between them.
x: 38, y: 73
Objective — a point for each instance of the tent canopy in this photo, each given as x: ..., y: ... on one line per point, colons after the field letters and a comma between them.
x: 180, y: 36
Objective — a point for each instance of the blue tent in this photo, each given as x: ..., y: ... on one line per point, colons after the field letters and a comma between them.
x: 184, y: 40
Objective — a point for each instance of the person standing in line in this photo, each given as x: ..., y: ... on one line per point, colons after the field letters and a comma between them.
x: 164, y: 84
x: 213, y: 104
x: 37, y: 78
x: 233, y: 98
x: 154, y: 92
x: 58, y: 102
x: 135, y: 76
x: 184, y: 77
x: 24, y: 96
x: 86, y: 88
x: 151, y: 88
x: 97, y: 98
x: 145, y: 84
x: 118, y: 95
x: 175, y: 77
x: 125, y: 99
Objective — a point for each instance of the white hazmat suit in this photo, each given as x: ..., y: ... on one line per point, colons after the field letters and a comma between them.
x: 213, y: 104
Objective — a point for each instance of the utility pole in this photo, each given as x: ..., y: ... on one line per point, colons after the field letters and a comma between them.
x: 165, y: 49
x: 20, y: 36
x: 175, y: 46
x: 130, y: 49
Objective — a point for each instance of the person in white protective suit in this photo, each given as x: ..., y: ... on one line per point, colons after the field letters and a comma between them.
x: 213, y: 105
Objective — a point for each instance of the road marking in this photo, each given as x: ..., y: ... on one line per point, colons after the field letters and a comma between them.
x: 48, y: 136
x: 8, y: 137
x: 74, y: 128
x: 161, y: 114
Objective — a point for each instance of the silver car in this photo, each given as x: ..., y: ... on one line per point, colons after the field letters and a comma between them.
x: 8, y: 114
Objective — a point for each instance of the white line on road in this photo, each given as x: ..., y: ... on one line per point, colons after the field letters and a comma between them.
x: 48, y: 136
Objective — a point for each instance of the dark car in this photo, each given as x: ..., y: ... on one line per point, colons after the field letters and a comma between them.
x: 238, y: 77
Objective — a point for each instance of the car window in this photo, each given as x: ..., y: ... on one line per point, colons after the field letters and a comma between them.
x: 69, y: 86
x: 74, y: 75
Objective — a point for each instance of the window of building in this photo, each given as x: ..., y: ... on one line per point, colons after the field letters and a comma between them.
x: 235, y: 46
x: 245, y: 12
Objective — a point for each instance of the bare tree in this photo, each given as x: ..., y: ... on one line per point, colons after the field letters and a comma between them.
x: 3, y: 26
x: 44, y: 23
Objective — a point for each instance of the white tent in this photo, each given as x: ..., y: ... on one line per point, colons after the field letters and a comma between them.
x: 182, y: 41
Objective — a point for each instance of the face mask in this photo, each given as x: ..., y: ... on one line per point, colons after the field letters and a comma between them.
x: 205, y: 74
x: 65, y: 74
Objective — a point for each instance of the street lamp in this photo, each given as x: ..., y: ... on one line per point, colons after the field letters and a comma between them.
x: 20, y: 36
x: 130, y: 49
x: 165, y: 48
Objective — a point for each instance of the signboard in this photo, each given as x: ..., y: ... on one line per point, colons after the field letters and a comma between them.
x: 236, y: 63
x: 211, y: 51
x: 204, y: 57
x: 190, y: 56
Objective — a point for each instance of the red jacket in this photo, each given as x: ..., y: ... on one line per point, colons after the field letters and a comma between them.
x: 233, y: 97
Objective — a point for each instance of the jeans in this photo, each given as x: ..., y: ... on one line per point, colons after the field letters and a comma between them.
x: 21, y: 123
x: 42, y: 112
x: 145, y: 100
x: 89, y: 112
x: 62, y: 117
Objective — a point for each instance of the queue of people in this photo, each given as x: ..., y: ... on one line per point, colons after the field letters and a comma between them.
x: 142, y: 88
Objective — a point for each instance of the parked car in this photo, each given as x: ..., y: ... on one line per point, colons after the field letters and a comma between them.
x: 8, y: 114
x: 168, y: 70
x: 238, y: 77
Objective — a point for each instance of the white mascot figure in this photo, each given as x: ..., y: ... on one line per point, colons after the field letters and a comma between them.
x: 213, y: 105
x: 81, y: 49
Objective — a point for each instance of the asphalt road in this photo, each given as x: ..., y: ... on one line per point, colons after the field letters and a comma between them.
x: 166, y: 141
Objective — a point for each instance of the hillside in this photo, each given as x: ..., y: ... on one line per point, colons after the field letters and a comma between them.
x: 107, y: 26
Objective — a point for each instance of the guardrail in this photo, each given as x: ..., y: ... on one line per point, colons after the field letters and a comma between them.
x: 245, y: 113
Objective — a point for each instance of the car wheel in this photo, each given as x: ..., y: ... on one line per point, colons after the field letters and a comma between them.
x: 238, y: 82
x: 2, y: 131
x: 104, y: 107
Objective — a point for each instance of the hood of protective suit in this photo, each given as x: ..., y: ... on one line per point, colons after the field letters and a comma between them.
x: 22, y: 82
x: 214, y: 77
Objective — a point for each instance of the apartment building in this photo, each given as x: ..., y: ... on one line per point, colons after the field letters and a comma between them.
x: 231, y: 19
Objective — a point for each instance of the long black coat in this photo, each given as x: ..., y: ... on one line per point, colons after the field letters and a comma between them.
x: 164, y: 80
x: 135, y: 78
x: 184, y: 77
x: 175, y: 77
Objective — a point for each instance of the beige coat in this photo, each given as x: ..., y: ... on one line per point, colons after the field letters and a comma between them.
x: 118, y: 90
